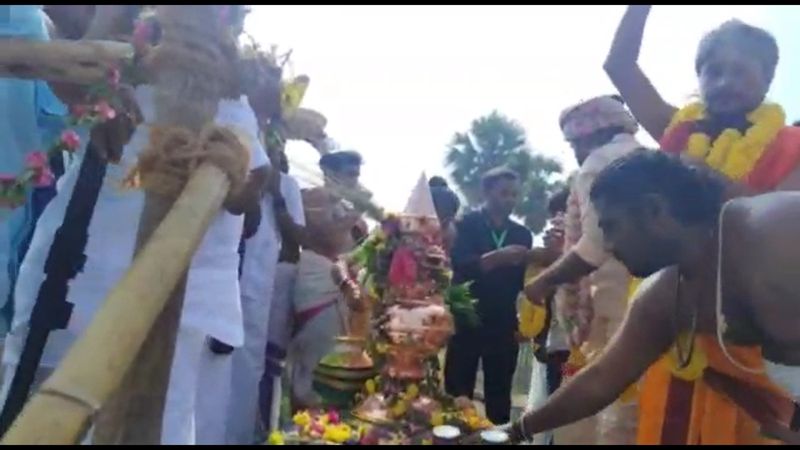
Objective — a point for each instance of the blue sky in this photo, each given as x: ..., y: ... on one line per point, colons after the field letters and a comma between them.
x: 396, y: 82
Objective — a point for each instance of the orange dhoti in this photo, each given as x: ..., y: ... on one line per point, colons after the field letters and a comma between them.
x: 678, y: 412
x: 674, y: 411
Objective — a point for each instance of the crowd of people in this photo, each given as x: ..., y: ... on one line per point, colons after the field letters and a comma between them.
x: 705, y: 342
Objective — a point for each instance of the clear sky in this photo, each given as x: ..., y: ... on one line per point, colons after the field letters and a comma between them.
x: 396, y: 82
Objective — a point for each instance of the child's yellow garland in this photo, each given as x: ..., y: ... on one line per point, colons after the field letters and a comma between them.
x: 733, y: 154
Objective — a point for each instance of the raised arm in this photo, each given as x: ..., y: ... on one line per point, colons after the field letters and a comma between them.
x: 644, y: 336
x: 622, y: 67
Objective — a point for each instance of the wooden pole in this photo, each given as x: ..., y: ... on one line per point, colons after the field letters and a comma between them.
x: 189, y: 84
x: 60, y: 412
x: 60, y: 60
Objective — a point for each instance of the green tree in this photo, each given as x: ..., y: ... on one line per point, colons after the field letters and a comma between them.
x: 496, y: 140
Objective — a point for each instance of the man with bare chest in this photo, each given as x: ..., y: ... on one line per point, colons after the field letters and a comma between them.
x: 663, y: 218
x: 737, y: 257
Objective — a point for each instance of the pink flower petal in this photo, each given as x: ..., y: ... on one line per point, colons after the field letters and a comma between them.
x: 105, y: 110
x: 70, y: 140
x: 36, y: 160
x: 44, y: 178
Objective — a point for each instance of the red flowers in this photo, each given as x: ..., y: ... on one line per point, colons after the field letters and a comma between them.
x: 37, y: 172
x: 333, y: 417
x: 70, y: 140
x: 403, y: 270
x: 36, y: 163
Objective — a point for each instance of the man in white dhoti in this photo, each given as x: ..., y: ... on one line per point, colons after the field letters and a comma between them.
x: 260, y: 273
x: 317, y: 314
x: 322, y: 206
x: 600, y: 130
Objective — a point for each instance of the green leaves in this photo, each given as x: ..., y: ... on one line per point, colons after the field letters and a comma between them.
x: 459, y: 300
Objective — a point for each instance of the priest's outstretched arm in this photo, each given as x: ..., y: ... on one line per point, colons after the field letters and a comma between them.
x: 642, y: 339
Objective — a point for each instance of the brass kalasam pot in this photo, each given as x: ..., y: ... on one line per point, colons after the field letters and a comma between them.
x: 349, y: 353
x: 415, y: 333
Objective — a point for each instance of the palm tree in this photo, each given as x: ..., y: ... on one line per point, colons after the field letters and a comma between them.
x: 496, y: 140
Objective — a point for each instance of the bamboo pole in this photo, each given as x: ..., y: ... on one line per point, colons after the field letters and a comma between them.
x: 189, y: 84
x: 61, y: 60
x: 95, y: 366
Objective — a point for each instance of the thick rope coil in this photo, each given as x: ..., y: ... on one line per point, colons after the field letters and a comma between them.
x: 175, y: 153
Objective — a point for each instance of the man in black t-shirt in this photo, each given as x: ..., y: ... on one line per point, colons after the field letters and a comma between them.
x: 490, y: 250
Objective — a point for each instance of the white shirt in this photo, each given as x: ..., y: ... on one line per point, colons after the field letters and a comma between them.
x: 604, y: 293
x: 314, y: 286
x: 212, y: 291
x: 263, y: 248
x: 590, y: 246
x: 212, y: 300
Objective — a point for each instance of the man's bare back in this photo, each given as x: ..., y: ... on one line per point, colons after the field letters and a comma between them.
x: 762, y: 251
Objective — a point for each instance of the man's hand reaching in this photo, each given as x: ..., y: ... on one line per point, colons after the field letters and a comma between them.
x: 539, y: 289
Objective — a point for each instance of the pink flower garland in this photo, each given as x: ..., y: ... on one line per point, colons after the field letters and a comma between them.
x: 37, y: 171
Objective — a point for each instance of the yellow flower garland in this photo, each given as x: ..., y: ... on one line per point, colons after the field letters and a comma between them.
x: 732, y: 153
x: 531, y: 318
x: 697, y: 362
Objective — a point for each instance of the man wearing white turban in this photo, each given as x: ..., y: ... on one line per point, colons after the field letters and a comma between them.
x: 600, y: 131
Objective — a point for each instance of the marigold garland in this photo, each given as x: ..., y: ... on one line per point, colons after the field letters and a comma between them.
x: 731, y: 153
x: 531, y: 318
x: 697, y: 361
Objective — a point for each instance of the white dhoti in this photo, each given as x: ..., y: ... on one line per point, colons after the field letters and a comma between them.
x: 248, y: 368
x: 281, y: 320
x: 213, y: 397
x: 318, y: 322
x: 257, y: 282
x: 309, y: 346
x: 179, y: 423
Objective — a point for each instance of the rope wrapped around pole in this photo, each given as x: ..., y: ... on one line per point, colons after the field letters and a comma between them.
x: 116, y: 374
x: 62, y: 410
x: 190, y: 74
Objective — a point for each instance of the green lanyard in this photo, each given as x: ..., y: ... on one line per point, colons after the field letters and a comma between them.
x: 499, y: 240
